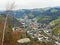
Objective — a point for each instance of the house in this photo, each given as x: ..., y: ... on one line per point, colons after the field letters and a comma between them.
x: 40, y: 39
x: 17, y: 29
x: 57, y: 43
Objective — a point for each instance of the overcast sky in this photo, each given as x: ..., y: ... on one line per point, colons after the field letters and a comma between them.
x: 29, y: 4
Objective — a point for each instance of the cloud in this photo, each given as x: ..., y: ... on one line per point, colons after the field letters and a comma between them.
x: 28, y: 4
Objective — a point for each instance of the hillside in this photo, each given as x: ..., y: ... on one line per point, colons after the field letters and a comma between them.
x: 56, y: 24
x: 56, y: 30
x: 48, y: 14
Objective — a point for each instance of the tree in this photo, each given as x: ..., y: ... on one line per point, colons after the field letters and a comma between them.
x: 5, y: 30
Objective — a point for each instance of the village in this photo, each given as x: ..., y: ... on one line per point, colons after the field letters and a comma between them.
x: 30, y: 22
x: 36, y: 31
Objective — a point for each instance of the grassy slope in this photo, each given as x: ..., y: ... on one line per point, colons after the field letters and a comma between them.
x: 56, y: 24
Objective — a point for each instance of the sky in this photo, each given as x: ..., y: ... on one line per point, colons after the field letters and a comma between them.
x: 29, y: 4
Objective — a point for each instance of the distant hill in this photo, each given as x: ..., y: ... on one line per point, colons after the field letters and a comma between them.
x: 45, y: 15
x: 55, y: 11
